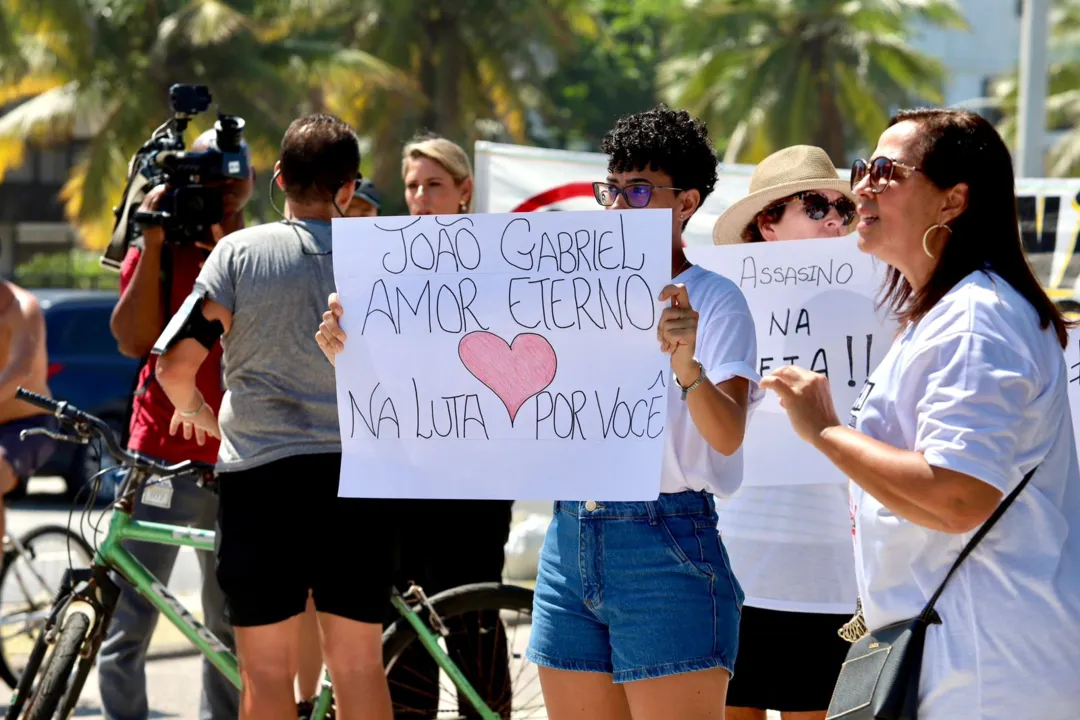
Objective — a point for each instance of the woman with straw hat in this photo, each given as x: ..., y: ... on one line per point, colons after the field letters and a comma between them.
x: 790, y: 546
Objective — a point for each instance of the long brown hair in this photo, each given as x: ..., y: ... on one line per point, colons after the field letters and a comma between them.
x: 956, y: 147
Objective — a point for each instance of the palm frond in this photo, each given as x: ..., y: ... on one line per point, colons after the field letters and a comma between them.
x: 737, y: 59
x: 48, y: 116
x: 28, y: 86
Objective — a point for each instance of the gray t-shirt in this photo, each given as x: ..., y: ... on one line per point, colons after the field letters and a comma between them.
x: 280, y: 397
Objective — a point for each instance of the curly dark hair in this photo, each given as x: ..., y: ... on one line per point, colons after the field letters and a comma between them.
x: 664, y: 140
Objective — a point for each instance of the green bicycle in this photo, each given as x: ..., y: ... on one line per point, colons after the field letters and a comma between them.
x: 429, y: 630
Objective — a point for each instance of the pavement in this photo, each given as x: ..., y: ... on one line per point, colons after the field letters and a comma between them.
x: 174, y: 671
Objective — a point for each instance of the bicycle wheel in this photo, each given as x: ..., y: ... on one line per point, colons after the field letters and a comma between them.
x: 488, y: 631
x: 74, y: 688
x: 24, y: 689
x: 28, y: 583
x: 58, y: 668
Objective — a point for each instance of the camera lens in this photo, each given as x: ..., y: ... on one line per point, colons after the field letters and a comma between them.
x: 192, y: 204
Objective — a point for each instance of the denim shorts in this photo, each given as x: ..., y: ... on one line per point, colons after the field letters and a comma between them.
x: 637, y: 590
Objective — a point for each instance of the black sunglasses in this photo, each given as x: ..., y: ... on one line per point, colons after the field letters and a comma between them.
x: 637, y: 195
x: 817, y: 206
x: 880, y: 170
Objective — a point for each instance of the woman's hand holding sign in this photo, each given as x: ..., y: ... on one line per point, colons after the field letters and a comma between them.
x: 677, y: 333
x: 331, y: 337
x: 807, y: 398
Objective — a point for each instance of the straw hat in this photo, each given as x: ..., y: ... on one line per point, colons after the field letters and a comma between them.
x: 792, y: 170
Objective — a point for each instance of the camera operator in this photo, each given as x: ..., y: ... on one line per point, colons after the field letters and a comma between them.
x: 155, y: 278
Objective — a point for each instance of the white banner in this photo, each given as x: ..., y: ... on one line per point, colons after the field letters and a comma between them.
x: 813, y: 303
x: 513, y: 178
x: 502, y: 356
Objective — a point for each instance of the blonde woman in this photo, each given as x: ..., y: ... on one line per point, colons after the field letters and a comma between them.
x: 438, y: 177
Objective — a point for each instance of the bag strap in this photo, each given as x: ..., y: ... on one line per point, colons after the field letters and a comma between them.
x: 928, y: 611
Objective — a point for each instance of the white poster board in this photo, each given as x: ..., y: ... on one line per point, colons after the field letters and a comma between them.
x: 1072, y: 368
x: 502, y: 356
x: 813, y: 303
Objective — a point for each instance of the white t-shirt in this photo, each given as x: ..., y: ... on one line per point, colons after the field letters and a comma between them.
x: 978, y: 387
x: 790, y: 546
x: 726, y: 348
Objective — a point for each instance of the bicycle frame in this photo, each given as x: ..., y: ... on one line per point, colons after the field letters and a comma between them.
x: 111, y: 553
x: 430, y: 641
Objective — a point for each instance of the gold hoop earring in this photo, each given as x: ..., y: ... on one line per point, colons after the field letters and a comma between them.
x: 926, y: 235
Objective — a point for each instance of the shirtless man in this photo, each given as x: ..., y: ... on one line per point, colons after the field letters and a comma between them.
x: 25, y: 363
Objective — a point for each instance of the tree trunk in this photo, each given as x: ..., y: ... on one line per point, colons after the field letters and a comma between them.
x: 447, y: 99
x: 389, y: 139
x: 316, y: 100
x: 829, y: 131
x: 429, y: 119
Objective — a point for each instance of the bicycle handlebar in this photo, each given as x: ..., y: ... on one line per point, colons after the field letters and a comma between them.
x: 87, y: 426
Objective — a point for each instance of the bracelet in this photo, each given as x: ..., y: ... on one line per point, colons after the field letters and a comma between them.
x: 692, y: 386
x: 181, y: 413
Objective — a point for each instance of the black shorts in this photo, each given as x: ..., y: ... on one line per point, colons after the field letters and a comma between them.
x: 27, y: 456
x: 787, y: 661
x: 282, y: 530
x: 446, y: 543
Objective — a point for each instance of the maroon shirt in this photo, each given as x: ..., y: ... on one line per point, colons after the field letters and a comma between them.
x: 151, y: 410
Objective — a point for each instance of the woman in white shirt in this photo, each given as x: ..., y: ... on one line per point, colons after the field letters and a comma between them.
x: 971, y: 396
x: 790, y: 545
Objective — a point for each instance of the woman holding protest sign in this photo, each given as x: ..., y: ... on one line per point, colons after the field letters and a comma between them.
x: 636, y: 609
x: 447, y: 543
x: 790, y: 544
x: 964, y: 427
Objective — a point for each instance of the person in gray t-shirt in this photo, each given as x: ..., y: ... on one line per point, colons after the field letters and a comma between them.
x: 280, y: 457
x: 281, y: 401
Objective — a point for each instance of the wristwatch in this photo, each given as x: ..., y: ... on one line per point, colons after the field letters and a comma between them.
x: 692, y: 386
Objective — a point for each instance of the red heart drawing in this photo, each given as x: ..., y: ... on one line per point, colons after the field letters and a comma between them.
x: 514, y: 372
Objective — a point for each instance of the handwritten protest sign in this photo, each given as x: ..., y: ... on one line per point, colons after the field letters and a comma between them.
x: 1072, y: 367
x: 813, y: 303
x: 502, y: 356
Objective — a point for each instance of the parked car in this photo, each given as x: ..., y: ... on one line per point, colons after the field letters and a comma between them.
x: 87, y: 370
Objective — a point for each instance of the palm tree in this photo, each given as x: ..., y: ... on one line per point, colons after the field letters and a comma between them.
x: 1063, y: 91
x: 475, y: 67
x: 105, y: 68
x: 772, y: 73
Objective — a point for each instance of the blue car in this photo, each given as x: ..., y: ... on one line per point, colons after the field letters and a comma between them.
x: 87, y: 370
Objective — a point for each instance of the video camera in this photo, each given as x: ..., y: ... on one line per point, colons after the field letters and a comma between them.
x: 191, y: 204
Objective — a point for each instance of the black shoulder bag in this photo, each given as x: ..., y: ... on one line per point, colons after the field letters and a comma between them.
x: 880, y: 676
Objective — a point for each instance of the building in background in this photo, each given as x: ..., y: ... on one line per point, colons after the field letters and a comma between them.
x: 31, y: 211
x: 974, y: 58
